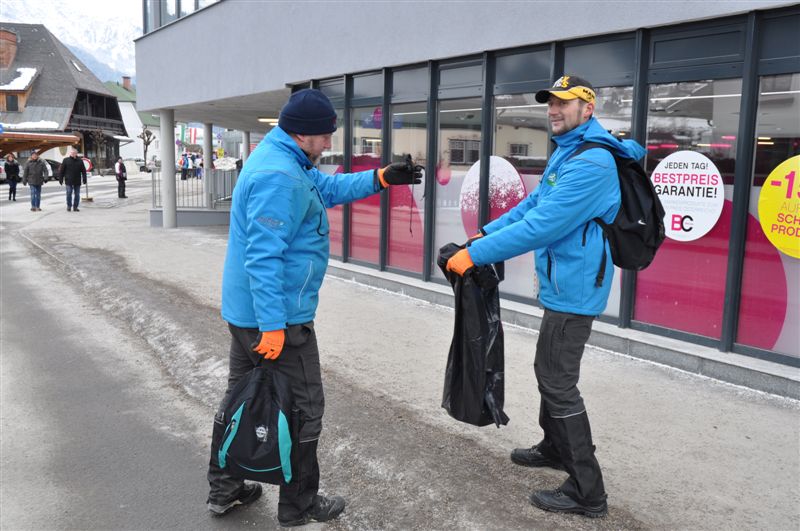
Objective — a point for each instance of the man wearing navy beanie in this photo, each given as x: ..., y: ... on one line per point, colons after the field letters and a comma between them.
x: 276, y: 260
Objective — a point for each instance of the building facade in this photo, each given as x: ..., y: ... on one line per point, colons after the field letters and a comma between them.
x: 45, y: 88
x: 711, y: 89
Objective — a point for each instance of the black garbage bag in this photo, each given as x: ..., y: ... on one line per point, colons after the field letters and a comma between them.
x: 473, y: 381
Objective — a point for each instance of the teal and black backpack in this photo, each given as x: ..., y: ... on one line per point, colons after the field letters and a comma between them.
x: 259, y: 430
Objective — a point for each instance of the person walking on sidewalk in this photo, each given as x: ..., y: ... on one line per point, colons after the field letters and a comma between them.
x: 33, y: 175
x: 72, y: 173
x: 277, y: 255
x: 11, y: 167
x: 122, y: 176
x: 556, y: 221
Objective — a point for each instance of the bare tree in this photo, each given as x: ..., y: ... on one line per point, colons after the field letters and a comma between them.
x: 147, y: 137
x: 100, y: 140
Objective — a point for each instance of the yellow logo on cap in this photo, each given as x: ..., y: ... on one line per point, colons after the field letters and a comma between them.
x: 564, y: 81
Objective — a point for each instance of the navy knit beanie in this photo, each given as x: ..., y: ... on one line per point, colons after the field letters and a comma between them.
x: 308, y: 112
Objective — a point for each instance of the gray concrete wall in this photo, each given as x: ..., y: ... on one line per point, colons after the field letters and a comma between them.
x: 254, y: 47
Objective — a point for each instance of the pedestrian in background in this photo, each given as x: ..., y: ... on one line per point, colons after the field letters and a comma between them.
x: 11, y: 167
x: 33, y: 175
x: 575, y: 270
x: 72, y: 173
x: 276, y: 260
x: 122, y: 176
x: 184, y: 165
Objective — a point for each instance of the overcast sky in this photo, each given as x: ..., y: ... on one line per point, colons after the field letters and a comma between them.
x: 104, y: 27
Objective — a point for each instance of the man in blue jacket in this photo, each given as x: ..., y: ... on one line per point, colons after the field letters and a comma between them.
x: 277, y: 255
x: 555, y: 221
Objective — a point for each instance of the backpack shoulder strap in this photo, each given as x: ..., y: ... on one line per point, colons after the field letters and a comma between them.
x: 586, y: 146
x: 602, y: 272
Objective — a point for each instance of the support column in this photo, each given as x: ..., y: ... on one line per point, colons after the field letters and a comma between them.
x: 169, y: 205
x: 208, y: 131
x: 245, y: 145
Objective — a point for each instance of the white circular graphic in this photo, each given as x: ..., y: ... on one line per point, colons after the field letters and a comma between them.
x: 691, y: 189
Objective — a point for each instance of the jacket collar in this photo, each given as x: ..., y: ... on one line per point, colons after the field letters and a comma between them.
x: 281, y: 140
x: 574, y: 137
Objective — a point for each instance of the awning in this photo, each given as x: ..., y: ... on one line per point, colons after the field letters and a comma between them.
x: 12, y: 141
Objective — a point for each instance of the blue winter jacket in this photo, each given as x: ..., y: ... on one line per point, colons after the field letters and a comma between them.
x: 278, y: 240
x: 555, y: 220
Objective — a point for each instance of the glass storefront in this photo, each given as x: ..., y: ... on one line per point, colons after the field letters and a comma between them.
x: 365, y: 219
x: 518, y: 161
x: 332, y: 162
x: 457, y: 173
x: 769, y: 311
x: 691, y: 147
x: 407, y: 203
x: 725, y: 277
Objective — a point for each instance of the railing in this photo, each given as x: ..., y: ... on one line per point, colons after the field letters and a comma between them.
x: 212, y: 192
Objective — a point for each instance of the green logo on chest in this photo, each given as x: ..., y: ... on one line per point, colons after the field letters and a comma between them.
x: 551, y: 179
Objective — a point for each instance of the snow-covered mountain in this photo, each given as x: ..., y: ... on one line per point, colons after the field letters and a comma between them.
x: 99, y: 32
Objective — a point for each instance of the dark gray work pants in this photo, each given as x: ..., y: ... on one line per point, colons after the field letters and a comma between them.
x: 562, y: 415
x: 299, y: 363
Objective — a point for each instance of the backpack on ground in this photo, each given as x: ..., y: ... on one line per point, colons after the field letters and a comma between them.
x: 638, y: 229
x: 259, y: 430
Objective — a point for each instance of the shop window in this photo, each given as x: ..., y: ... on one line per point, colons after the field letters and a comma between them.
x: 457, y: 174
x: 407, y: 203
x: 365, y: 219
x: 520, y: 155
x: 332, y: 162
x: 691, y: 146
x: 12, y: 103
x: 769, y: 309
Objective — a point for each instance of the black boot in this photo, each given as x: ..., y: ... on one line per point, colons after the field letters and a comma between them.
x: 323, y: 509
x: 573, y: 437
x: 538, y: 455
x: 558, y: 502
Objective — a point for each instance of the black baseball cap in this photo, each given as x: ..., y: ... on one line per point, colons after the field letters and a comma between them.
x: 568, y: 87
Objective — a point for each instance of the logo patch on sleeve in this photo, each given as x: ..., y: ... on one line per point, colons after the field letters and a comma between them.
x: 271, y: 222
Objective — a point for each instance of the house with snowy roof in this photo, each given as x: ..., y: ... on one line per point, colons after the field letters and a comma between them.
x: 135, y: 121
x: 45, y: 90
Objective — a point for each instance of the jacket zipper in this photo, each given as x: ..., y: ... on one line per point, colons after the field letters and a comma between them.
x: 308, y: 278
x: 551, y: 264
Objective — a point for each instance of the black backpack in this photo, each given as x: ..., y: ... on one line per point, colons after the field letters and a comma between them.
x: 638, y: 230
x: 259, y: 430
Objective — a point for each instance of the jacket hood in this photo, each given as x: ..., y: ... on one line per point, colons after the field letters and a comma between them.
x: 283, y: 141
x: 593, y: 131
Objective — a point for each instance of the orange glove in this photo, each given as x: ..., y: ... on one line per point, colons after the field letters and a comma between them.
x: 460, y: 262
x: 270, y: 345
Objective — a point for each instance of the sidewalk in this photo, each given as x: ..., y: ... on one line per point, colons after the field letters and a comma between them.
x: 678, y: 450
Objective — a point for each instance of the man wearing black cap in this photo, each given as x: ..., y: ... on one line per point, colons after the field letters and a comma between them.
x: 276, y: 260
x: 574, y: 267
